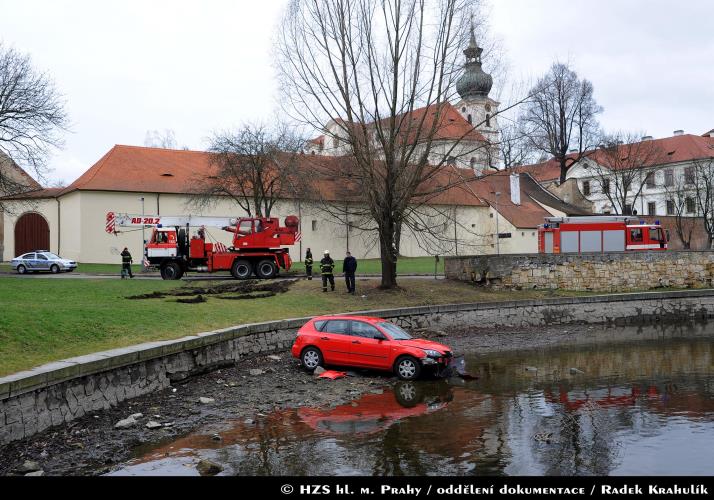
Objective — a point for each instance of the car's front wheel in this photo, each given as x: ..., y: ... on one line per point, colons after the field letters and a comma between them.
x: 54, y: 268
x: 21, y: 269
x: 407, y: 368
x: 311, y: 358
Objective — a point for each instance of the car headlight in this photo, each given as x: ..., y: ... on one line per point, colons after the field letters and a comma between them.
x: 432, y: 353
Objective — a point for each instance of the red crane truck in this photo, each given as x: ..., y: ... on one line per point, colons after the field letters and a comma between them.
x: 256, y: 250
x: 599, y: 234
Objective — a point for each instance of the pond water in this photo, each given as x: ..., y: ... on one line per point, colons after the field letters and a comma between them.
x: 644, y: 405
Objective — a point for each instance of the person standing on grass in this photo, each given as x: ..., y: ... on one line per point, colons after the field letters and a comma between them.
x: 349, y: 267
x: 327, y: 268
x: 126, y: 262
x: 308, y: 264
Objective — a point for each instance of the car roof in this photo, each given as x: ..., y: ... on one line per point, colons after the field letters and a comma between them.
x: 368, y: 319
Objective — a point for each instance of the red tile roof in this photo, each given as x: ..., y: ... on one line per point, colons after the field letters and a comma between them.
x: 674, y: 149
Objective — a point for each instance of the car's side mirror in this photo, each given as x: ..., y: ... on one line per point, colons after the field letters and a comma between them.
x: 379, y: 336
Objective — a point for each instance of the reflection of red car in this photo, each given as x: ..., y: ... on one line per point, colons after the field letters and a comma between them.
x: 366, y: 342
x: 373, y: 412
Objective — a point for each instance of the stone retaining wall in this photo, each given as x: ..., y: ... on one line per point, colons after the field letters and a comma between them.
x: 59, y: 392
x: 610, y: 272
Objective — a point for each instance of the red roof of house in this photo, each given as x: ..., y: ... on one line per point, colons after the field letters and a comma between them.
x: 155, y: 170
x: 674, y: 149
x: 452, y: 126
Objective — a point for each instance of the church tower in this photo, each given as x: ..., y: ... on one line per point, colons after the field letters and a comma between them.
x: 473, y: 88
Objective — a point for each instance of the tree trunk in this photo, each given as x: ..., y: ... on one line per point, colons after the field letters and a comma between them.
x: 387, y: 254
x: 563, y: 170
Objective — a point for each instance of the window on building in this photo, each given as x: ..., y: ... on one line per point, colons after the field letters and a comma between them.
x: 314, y: 225
x: 651, y: 208
x: 650, y: 180
x: 488, y: 119
x: 689, y: 202
x: 470, y: 119
x: 669, y: 177
x: 628, y: 210
x: 605, y: 185
x: 670, y: 207
x: 463, y: 110
x: 586, y: 188
x: 689, y: 175
x: 472, y: 162
x: 451, y: 160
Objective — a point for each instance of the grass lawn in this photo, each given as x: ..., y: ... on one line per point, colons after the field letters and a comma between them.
x: 45, y: 320
x: 406, y: 265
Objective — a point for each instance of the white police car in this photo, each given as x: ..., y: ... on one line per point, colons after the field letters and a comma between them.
x: 42, y: 260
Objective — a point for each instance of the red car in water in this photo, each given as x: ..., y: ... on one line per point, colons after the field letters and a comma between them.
x: 367, y: 342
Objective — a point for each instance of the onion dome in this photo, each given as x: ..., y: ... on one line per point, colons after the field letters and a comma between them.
x: 475, y: 82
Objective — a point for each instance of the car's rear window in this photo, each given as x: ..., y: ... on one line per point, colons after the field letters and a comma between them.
x: 336, y: 326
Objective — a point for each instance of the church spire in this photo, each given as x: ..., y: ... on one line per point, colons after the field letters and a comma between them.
x: 474, y: 82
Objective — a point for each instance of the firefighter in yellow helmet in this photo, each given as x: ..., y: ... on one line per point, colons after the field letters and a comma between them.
x: 327, y: 267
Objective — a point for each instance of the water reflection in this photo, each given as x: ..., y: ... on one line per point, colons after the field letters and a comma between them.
x: 642, y: 405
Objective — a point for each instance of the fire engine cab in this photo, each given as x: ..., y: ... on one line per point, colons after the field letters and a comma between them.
x: 599, y: 234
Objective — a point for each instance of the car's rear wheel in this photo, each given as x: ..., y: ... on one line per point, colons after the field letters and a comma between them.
x: 407, y: 368
x: 241, y: 269
x: 311, y: 358
x: 21, y: 269
x: 54, y: 268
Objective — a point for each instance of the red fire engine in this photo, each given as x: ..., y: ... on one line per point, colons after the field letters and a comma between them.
x: 257, y: 244
x: 599, y: 234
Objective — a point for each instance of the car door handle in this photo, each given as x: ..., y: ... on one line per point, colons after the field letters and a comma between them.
x: 324, y: 338
x: 356, y: 342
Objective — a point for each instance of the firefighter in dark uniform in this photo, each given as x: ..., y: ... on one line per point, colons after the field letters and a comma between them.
x: 308, y: 263
x: 126, y: 261
x: 327, y: 267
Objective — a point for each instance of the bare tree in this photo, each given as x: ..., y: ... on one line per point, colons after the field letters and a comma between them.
x: 623, y: 165
x: 165, y: 139
x: 560, y: 117
x: 515, y: 147
x: 381, y: 74
x: 255, y: 166
x: 680, y: 198
x: 701, y: 179
x: 32, y: 116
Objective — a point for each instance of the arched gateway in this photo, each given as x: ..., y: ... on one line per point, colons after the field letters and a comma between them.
x: 31, y: 233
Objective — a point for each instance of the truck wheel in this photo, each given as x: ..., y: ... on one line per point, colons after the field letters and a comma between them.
x: 241, y: 269
x: 171, y: 271
x: 266, y: 269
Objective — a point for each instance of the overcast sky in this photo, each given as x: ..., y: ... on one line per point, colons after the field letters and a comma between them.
x: 126, y: 67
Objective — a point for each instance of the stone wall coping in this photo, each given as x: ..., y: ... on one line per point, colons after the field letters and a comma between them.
x: 60, y: 371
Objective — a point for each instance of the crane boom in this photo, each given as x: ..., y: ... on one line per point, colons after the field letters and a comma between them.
x: 131, y: 220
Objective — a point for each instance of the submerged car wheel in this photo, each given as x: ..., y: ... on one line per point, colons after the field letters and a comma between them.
x: 407, y: 368
x: 311, y: 358
x: 21, y: 269
x: 55, y: 269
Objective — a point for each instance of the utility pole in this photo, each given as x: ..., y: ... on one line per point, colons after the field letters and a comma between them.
x: 143, y: 235
x: 498, y: 233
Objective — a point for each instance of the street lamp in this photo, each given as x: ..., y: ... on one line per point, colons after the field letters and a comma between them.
x: 498, y: 234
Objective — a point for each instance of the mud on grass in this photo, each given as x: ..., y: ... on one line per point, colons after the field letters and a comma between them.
x: 241, y: 290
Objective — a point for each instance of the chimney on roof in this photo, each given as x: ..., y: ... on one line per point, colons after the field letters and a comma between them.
x: 678, y: 132
x: 515, y: 189
x: 647, y: 138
